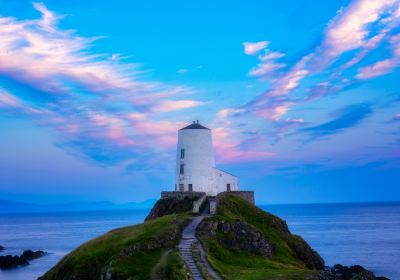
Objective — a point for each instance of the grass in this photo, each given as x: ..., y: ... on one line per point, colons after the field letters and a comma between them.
x: 148, y: 250
x: 171, y: 267
x: 235, y: 264
x: 89, y: 260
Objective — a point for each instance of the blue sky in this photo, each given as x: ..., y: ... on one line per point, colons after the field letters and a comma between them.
x: 302, y: 96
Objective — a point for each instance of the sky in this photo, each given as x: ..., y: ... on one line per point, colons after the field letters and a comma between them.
x: 303, y: 97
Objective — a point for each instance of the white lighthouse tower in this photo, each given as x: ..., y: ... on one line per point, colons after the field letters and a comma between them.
x: 195, y: 165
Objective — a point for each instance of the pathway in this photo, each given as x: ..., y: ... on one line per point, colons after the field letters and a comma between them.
x: 185, y: 248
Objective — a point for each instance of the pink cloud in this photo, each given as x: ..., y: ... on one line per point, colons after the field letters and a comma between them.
x: 349, y: 29
x: 173, y: 105
x: 275, y: 112
x: 8, y: 100
x: 384, y: 66
x: 266, y: 68
x: 228, y: 149
x: 252, y: 48
x: 75, y: 89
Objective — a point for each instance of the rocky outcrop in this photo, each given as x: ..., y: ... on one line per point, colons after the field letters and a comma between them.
x: 340, y: 272
x: 31, y: 255
x: 171, y: 205
x: 2, y: 248
x: 236, y: 234
x: 305, y: 253
x: 9, y: 261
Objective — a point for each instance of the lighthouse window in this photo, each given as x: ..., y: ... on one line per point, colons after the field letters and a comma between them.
x: 182, y: 153
x: 190, y: 187
x: 182, y: 169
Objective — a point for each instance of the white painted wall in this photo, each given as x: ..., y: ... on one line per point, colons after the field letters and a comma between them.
x: 199, y: 164
x: 223, y: 179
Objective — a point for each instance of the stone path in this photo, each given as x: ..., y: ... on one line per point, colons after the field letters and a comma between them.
x: 185, y: 248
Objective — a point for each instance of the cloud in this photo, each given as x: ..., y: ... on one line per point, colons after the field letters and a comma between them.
x: 252, y: 48
x: 182, y: 71
x: 346, y: 117
x: 8, y: 100
x: 229, y: 149
x: 266, y: 68
x: 384, y: 66
x: 101, y: 108
x: 173, y: 105
x: 269, y: 63
x: 363, y: 25
x: 350, y: 28
x: 12, y: 105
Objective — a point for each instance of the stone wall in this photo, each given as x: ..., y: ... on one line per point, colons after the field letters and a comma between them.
x: 182, y: 195
x: 247, y: 195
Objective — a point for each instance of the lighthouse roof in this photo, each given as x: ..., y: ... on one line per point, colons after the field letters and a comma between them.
x: 194, y: 125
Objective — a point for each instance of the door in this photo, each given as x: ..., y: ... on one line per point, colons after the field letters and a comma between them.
x: 181, y: 187
x: 228, y: 187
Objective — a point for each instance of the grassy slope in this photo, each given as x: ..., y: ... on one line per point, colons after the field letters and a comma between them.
x: 89, y: 260
x: 171, y: 267
x: 235, y: 264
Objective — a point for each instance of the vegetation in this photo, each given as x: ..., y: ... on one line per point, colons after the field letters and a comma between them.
x: 128, y: 253
x: 171, y: 267
x: 290, y: 252
x: 149, y: 250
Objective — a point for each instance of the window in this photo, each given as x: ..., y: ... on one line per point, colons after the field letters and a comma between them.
x: 182, y: 169
x: 181, y: 188
x: 190, y: 187
x: 182, y: 153
x: 228, y: 187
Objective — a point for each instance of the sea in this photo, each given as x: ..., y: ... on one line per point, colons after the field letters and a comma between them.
x: 350, y: 233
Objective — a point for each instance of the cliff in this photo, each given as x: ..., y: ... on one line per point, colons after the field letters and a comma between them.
x: 240, y: 241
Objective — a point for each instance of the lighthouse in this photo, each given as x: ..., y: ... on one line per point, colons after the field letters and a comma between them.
x: 195, y: 164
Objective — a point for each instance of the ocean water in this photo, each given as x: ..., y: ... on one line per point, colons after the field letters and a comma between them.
x: 367, y: 234
x: 56, y: 233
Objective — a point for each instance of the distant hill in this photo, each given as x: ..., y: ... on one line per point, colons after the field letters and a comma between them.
x: 8, y: 206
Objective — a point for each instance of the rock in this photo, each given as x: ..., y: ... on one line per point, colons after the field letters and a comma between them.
x: 31, y: 255
x: 168, y: 206
x: 305, y: 253
x: 325, y: 275
x: 2, y: 248
x: 355, y: 272
x: 237, y: 234
x: 8, y: 262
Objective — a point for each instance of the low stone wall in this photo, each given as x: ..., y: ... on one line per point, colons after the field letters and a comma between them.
x: 247, y: 195
x: 182, y: 195
x: 198, y: 198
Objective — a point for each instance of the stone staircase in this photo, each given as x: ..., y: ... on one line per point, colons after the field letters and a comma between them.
x: 185, y: 247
